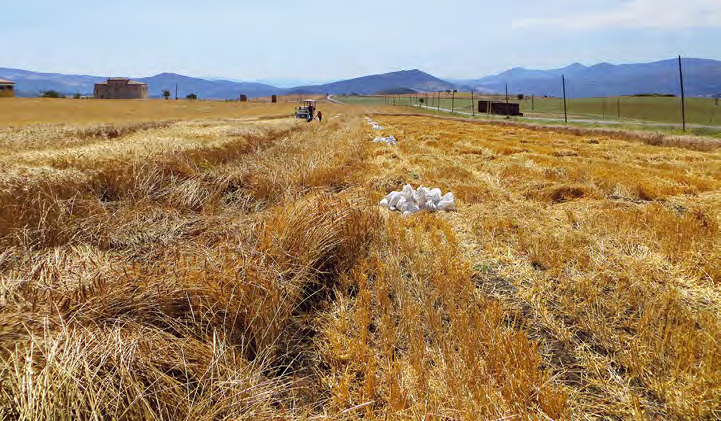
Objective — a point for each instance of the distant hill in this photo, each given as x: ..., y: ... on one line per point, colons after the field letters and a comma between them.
x: 702, y: 78
x: 206, y: 89
x: 30, y: 83
x: 396, y: 91
x: 414, y: 80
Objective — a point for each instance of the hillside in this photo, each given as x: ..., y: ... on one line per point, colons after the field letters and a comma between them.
x: 215, y: 89
x: 702, y: 78
x: 30, y: 83
x: 409, y: 79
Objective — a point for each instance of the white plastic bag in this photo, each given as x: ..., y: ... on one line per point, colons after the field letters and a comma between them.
x: 447, y: 203
x: 395, y: 197
x: 431, y: 206
x: 435, y: 195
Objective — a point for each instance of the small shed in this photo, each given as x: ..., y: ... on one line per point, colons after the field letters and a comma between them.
x: 7, y: 89
x: 500, y: 108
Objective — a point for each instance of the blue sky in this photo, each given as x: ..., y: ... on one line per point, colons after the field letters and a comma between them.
x: 333, y: 39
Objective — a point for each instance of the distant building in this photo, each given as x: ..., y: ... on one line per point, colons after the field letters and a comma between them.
x: 7, y: 89
x: 121, y: 88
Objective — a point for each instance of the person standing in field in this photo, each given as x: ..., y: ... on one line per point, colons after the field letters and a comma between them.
x: 320, y: 116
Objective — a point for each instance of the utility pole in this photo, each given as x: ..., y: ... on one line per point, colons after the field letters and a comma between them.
x: 507, y: 114
x: 565, y: 105
x: 453, y: 101
x: 533, y: 103
x: 683, y: 94
x: 176, y: 91
x: 473, y: 104
x: 439, y: 101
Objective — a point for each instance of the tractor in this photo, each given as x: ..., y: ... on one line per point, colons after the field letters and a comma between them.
x: 306, y: 111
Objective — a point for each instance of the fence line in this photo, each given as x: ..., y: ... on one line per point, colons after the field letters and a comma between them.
x: 641, y: 107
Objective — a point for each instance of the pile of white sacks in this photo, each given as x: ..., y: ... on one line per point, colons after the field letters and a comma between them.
x: 375, y: 125
x: 390, y: 140
x: 409, y: 201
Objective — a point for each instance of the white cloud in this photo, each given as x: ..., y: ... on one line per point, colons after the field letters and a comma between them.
x: 657, y: 14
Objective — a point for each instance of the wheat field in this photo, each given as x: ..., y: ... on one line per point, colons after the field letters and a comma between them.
x: 238, y: 266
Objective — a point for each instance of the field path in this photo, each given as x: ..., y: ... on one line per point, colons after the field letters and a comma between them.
x: 330, y: 98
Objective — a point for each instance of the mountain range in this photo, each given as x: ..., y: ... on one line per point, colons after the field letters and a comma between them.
x: 31, y: 83
x: 702, y: 78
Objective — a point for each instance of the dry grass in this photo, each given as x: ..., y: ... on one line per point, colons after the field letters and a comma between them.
x: 607, y: 252
x: 241, y: 269
x: 699, y: 143
x: 28, y: 111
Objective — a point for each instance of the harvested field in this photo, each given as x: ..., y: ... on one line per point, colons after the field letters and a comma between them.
x: 240, y: 268
x: 607, y: 252
x: 27, y: 111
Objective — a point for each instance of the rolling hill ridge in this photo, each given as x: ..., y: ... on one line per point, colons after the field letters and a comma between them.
x: 702, y: 78
x: 32, y: 83
x: 415, y: 80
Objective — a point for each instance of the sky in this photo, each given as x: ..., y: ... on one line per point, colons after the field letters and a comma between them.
x: 325, y: 40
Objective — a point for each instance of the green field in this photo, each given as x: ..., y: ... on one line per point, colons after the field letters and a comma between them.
x: 699, y: 111
x: 655, y: 114
x: 361, y: 100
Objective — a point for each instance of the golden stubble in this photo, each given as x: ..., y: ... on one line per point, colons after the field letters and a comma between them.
x: 240, y: 268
